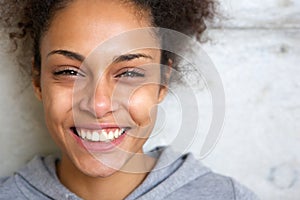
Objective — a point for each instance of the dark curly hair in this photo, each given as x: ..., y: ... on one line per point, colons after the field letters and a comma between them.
x: 28, y: 20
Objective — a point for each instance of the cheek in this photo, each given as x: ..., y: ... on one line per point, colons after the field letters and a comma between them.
x: 143, y: 105
x: 57, y: 102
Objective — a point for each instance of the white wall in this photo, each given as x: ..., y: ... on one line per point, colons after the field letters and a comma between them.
x: 257, y: 55
x: 23, y: 132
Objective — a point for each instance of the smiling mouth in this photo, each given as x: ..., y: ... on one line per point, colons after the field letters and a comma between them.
x: 103, y: 135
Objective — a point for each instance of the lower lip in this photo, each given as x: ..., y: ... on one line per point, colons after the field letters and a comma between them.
x: 99, y: 146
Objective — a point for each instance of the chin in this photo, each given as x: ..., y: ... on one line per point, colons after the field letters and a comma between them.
x: 101, y: 172
x: 100, y: 167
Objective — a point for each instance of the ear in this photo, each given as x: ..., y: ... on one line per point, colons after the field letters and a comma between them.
x: 35, y: 80
x: 165, y: 83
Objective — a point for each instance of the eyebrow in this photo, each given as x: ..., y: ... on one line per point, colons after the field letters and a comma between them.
x: 116, y: 59
x: 128, y: 57
x: 68, y: 54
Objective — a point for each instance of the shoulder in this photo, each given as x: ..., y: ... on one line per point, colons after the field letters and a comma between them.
x: 9, y: 189
x: 202, y: 183
x: 212, y: 186
x: 23, y: 184
x: 182, y: 176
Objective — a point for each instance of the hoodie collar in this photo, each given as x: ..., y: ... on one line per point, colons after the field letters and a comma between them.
x: 39, y: 176
x: 172, y: 171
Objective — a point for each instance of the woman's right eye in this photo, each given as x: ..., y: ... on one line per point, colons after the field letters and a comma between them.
x: 68, y: 72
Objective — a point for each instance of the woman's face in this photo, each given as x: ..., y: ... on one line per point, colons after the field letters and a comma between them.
x: 99, y: 101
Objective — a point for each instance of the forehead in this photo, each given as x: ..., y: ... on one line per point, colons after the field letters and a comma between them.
x: 84, y: 24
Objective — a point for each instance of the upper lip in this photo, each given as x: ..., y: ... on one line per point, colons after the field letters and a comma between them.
x: 99, y: 126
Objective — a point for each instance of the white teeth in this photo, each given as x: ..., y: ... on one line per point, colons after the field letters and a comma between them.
x: 82, y: 134
x: 116, y: 133
x: 122, y: 131
x: 101, y: 135
x: 105, y: 136
x: 95, y: 137
x: 104, y: 132
x: 89, y: 136
x: 111, y: 135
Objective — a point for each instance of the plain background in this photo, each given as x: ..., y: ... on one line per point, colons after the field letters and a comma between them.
x: 257, y: 53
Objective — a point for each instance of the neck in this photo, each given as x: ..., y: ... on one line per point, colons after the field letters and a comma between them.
x: 116, y: 186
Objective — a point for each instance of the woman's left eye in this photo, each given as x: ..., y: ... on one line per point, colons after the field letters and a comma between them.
x: 130, y: 74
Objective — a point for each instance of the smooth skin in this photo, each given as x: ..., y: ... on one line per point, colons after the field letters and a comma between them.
x: 78, y: 29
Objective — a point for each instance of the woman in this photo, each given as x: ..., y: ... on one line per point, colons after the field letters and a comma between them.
x: 100, y: 93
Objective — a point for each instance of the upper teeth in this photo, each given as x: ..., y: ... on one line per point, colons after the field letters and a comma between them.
x: 100, y: 135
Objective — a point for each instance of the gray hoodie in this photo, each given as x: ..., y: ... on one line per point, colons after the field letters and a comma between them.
x: 184, y: 179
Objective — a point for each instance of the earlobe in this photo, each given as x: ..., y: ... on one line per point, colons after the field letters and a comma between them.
x: 35, y: 81
x: 164, y: 87
x: 37, y: 92
x: 162, y: 93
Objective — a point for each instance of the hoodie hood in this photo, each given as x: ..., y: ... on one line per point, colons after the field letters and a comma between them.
x: 171, y: 172
x: 175, y: 176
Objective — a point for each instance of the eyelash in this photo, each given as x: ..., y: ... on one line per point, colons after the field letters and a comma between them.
x: 67, y: 72
x: 131, y: 73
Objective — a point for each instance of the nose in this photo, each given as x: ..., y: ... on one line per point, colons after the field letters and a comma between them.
x: 98, y: 101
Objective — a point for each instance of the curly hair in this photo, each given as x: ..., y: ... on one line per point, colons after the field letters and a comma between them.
x: 28, y: 20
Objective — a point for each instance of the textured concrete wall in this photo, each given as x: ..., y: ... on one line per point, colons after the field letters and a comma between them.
x: 23, y: 132
x: 256, y: 52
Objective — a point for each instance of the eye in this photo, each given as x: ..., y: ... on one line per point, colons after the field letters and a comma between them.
x: 131, y: 73
x: 68, y: 71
